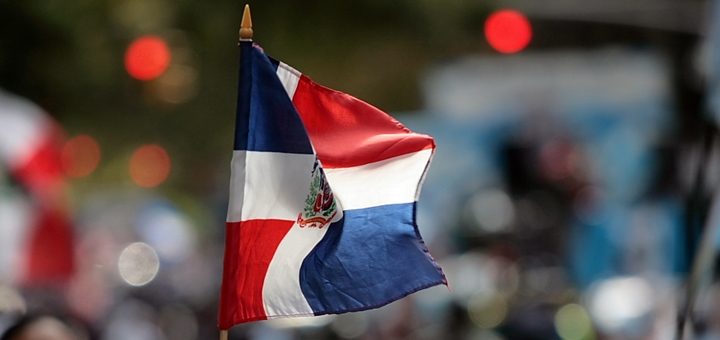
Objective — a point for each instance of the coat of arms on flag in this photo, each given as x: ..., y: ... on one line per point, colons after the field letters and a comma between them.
x: 323, y: 198
x: 320, y: 206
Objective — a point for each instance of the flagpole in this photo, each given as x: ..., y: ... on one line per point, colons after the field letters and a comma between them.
x: 246, y: 34
x: 246, y: 31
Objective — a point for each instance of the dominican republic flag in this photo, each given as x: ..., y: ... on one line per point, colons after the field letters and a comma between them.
x: 323, y: 194
x: 36, y: 237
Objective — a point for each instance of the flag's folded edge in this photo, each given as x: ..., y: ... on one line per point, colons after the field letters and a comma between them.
x: 371, y: 252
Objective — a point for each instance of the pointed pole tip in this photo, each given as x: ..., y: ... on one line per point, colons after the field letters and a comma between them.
x: 246, y: 31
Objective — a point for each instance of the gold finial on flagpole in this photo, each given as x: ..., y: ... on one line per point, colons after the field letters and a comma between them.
x: 246, y: 31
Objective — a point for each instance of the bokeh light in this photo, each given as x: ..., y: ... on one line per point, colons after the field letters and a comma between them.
x: 138, y: 264
x: 80, y: 156
x: 167, y: 230
x: 177, y: 85
x: 618, y: 303
x: 572, y: 322
x: 487, y: 311
x: 492, y: 210
x: 470, y: 272
x: 508, y: 31
x: 147, y: 58
x: 149, y: 166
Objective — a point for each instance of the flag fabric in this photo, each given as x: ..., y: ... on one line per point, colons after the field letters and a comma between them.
x: 323, y: 193
x: 36, y: 237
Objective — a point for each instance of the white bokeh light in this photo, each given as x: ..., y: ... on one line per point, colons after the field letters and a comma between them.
x: 493, y: 210
x: 168, y: 231
x: 138, y: 264
x: 619, y: 302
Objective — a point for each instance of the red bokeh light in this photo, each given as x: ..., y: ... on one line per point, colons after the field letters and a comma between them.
x: 508, y: 31
x: 149, y: 166
x: 147, y: 58
x: 80, y: 156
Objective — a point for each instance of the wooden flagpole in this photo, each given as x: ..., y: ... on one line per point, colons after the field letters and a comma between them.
x: 246, y: 34
x: 246, y: 31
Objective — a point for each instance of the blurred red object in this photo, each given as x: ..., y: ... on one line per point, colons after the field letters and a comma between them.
x: 80, y: 156
x: 150, y: 165
x: 508, y: 31
x: 147, y: 58
x: 30, y: 146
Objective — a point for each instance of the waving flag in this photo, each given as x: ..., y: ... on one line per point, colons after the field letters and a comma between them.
x: 323, y: 194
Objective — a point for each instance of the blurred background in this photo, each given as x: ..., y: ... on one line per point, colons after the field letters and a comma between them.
x: 570, y: 193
